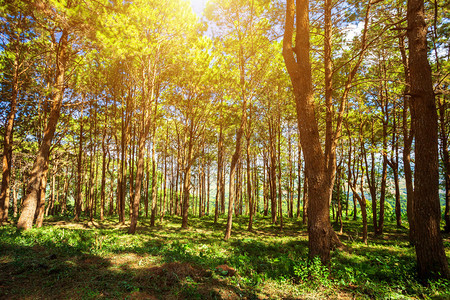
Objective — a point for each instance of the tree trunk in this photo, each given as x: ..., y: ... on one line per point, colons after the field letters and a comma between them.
x: 431, y: 259
x: 408, y: 135
x: 219, y: 175
x: 7, y: 145
x: 40, y: 210
x: 280, y: 193
x: 186, y: 185
x: 234, y: 162
x: 30, y: 202
x: 139, y: 175
x: 305, y: 199
x: 249, y: 187
x: 154, y: 182
x: 319, y: 178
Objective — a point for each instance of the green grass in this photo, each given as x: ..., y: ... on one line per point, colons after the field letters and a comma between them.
x: 64, y: 260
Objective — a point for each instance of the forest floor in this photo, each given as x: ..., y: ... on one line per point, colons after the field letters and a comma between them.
x: 99, y: 260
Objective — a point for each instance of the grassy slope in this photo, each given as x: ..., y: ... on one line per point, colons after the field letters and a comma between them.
x: 65, y: 260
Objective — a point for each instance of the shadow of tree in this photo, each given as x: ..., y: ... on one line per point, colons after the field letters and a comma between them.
x: 55, y: 270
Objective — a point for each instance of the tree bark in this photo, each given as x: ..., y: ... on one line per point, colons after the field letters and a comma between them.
x: 30, y: 202
x: 7, y: 145
x: 319, y: 184
x: 431, y: 259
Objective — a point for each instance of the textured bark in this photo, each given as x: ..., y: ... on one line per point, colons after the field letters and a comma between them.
x: 30, y: 202
x: 319, y: 185
x: 431, y: 259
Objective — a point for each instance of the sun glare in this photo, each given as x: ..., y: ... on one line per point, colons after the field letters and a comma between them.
x: 198, y: 5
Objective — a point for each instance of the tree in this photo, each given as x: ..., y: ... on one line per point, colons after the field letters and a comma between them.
x: 431, y: 259
x: 15, y: 44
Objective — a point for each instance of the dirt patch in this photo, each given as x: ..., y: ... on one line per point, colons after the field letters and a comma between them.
x: 225, y: 270
x: 172, y: 274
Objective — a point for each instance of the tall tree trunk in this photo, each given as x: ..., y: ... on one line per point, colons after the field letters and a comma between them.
x: 235, y: 158
x: 280, y: 193
x: 232, y: 193
x: 154, y: 182
x: 319, y: 183
x: 249, y: 187
x: 408, y: 136
x: 164, y: 177
x: 104, y: 154
x: 265, y: 189
x: 139, y: 175
x: 272, y: 173
x: 186, y: 184
x: 431, y: 259
x: 7, y: 144
x: 219, y: 173
x: 30, y: 202
x: 385, y: 109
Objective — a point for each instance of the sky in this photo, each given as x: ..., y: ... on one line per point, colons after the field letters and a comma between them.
x: 198, y: 6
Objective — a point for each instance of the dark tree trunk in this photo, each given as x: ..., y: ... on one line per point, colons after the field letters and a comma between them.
x: 431, y: 259
x: 319, y: 186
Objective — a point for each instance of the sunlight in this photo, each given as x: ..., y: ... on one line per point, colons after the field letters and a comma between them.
x: 198, y: 6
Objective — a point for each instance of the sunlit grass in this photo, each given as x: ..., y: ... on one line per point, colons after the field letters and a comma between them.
x: 101, y: 260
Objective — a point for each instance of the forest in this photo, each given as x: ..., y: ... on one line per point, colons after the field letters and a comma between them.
x: 224, y: 149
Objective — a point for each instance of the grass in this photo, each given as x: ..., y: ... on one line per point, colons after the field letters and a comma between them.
x: 99, y: 260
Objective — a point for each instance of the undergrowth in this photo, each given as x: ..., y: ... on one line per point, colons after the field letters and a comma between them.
x: 270, y: 263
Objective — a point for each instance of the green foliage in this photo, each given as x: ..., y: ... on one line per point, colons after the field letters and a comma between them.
x: 266, y: 263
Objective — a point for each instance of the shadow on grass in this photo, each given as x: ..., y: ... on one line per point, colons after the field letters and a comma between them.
x: 32, y: 266
x: 100, y: 260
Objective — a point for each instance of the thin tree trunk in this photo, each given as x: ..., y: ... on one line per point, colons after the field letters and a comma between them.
x: 408, y: 135
x: 7, y: 145
x: 40, y: 210
x: 249, y: 187
x: 154, y: 182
